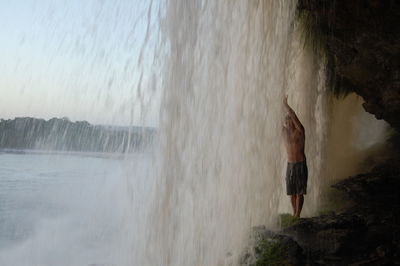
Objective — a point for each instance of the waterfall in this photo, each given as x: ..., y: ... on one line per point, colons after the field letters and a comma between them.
x: 226, y: 68
x: 205, y: 80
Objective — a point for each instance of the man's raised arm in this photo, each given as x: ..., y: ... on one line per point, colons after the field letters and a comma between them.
x: 293, y: 115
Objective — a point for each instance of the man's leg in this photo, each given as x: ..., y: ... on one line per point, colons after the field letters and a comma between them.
x: 299, y: 204
x: 293, y: 201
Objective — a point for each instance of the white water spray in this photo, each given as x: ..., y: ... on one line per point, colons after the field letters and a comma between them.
x: 228, y: 66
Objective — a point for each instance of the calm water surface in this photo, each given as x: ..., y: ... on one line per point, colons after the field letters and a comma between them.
x: 59, y: 209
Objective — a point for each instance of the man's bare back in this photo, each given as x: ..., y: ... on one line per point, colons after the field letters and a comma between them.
x: 294, y: 142
x: 294, y: 136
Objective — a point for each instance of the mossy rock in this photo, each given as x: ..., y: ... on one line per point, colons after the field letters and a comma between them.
x: 286, y: 220
x: 326, y: 213
x: 271, y: 248
x: 271, y: 252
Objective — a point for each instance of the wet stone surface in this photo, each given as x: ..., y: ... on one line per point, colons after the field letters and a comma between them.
x: 366, y: 234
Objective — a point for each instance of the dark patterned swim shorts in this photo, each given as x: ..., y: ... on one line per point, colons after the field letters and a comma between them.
x: 296, y: 178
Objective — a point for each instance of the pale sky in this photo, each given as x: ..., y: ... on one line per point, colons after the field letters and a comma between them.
x: 78, y: 59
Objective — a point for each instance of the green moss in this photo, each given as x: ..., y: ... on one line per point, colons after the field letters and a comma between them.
x: 326, y: 212
x: 286, y: 220
x: 311, y: 32
x: 315, y: 30
x: 271, y: 252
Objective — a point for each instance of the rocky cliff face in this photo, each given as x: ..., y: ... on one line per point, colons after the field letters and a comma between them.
x: 362, y: 40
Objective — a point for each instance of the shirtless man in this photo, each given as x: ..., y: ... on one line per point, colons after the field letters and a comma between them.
x: 296, y: 173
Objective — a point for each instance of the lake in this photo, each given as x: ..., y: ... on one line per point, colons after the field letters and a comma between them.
x: 70, y: 209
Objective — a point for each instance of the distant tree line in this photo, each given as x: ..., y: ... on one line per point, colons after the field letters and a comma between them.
x: 62, y: 134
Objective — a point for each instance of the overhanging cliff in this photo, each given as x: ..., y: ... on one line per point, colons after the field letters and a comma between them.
x: 362, y: 41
